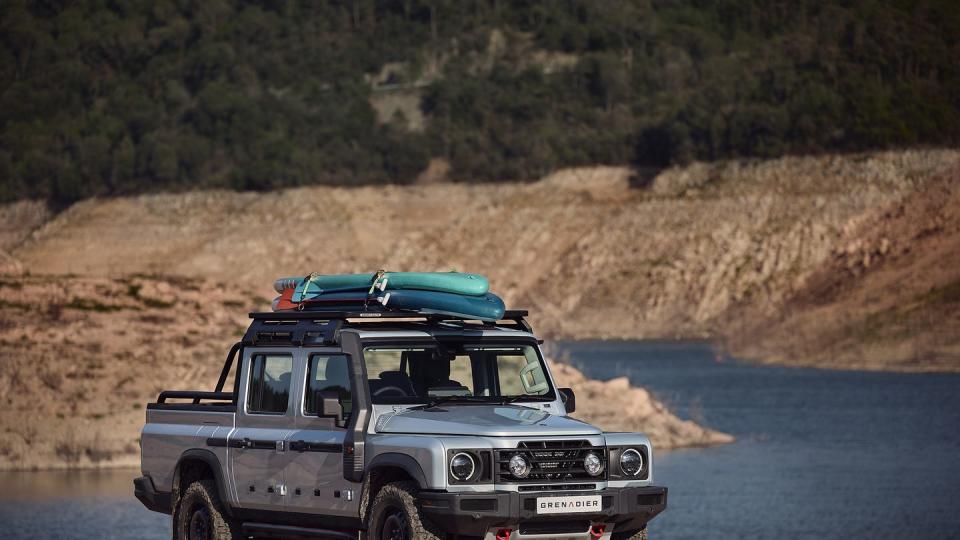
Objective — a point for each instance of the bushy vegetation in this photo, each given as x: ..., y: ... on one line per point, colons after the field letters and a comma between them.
x: 111, y: 97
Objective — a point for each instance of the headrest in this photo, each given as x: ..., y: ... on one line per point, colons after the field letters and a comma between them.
x: 336, y: 369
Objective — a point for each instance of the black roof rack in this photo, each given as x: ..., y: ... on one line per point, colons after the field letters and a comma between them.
x: 323, y: 327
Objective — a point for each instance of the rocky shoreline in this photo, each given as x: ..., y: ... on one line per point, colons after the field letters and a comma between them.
x: 633, y: 409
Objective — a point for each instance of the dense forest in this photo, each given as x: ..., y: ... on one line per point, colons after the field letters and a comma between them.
x: 101, y: 97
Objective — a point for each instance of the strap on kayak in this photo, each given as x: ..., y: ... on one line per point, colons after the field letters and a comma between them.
x: 373, y: 285
x: 306, y: 283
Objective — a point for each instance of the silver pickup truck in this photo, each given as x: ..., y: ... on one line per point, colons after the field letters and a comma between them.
x: 390, y: 426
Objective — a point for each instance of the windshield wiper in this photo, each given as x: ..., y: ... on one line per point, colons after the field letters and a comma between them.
x: 506, y: 400
x: 439, y: 400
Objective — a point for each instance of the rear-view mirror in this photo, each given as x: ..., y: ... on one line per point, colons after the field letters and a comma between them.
x: 569, y: 399
x: 329, y: 406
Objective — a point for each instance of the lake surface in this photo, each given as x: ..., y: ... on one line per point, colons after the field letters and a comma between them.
x: 80, y: 504
x: 819, y: 454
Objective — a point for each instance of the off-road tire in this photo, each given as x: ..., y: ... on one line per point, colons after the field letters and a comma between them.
x: 396, y: 503
x: 631, y: 535
x: 200, y: 511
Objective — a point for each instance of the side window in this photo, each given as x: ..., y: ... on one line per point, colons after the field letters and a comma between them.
x: 326, y: 372
x: 269, y: 389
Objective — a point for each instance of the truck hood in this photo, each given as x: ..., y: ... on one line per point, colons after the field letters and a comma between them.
x: 483, y: 420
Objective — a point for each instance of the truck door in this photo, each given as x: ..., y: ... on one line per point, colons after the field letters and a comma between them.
x: 315, y: 473
x: 265, y: 418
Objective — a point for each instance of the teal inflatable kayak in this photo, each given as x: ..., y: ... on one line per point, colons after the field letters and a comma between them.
x: 488, y: 307
x: 314, y: 285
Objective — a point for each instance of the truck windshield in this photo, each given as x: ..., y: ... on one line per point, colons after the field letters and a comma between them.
x: 465, y: 372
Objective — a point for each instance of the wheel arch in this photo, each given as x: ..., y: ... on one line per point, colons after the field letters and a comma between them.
x: 196, y: 464
x: 386, y: 468
x: 393, y: 460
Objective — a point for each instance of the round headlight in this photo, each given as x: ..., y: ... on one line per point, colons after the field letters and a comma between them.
x: 593, y: 464
x: 631, y: 462
x: 462, y: 466
x: 519, y: 466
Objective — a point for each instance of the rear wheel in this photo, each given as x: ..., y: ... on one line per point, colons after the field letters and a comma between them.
x: 199, y: 515
x: 395, y: 516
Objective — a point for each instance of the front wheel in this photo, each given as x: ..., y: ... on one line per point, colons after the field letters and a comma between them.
x: 199, y: 515
x: 395, y: 516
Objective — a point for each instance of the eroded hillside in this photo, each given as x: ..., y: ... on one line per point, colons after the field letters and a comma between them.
x: 705, y: 250
x: 887, y: 296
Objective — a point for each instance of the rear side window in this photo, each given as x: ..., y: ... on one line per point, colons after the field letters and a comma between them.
x: 269, y: 390
x: 328, y: 372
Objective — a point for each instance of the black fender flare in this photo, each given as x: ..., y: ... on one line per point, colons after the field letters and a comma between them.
x: 400, y: 461
x: 212, y: 461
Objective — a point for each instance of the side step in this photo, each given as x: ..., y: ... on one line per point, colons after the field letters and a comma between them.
x: 266, y: 530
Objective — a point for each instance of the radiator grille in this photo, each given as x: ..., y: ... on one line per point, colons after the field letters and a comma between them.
x: 551, y: 461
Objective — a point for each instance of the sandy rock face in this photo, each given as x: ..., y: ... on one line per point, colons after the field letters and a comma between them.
x: 9, y: 265
x: 615, y: 405
x: 82, y: 356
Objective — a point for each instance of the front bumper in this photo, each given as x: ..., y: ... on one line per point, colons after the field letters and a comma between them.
x: 146, y: 493
x: 474, y: 514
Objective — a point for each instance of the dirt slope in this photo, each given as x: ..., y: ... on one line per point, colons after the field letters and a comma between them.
x: 887, y: 297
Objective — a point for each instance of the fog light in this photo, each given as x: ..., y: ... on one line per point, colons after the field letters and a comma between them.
x: 593, y: 464
x: 519, y: 467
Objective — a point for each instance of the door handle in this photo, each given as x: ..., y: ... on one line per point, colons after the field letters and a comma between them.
x: 239, y: 443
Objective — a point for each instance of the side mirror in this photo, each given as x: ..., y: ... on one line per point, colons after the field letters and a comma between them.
x: 328, y: 405
x: 569, y: 399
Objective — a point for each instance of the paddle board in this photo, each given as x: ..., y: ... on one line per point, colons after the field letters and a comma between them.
x: 448, y: 282
x: 353, y: 299
x: 488, y: 307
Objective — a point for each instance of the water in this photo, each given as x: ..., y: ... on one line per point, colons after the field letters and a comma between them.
x: 78, y: 504
x: 819, y: 454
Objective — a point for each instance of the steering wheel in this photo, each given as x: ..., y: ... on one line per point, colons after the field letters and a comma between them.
x: 391, y: 389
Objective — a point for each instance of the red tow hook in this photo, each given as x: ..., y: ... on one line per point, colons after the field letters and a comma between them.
x: 597, y: 531
x: 504, y: 534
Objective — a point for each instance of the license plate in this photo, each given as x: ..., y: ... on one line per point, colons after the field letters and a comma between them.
x: 568, y: 505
